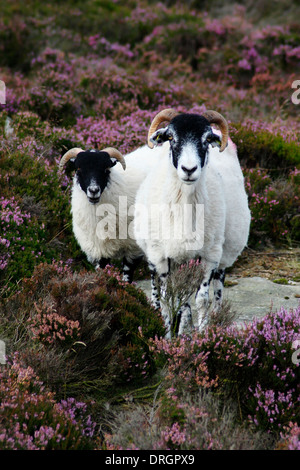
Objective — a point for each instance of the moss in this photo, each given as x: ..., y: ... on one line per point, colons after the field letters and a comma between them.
x: 281, y: 281
x: 230, y: 283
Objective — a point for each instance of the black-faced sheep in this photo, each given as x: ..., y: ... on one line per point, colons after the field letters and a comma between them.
x: 103, y: 195
x: 192, y: 204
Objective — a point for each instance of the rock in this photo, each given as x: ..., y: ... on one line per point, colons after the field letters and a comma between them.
x: 252, y: 297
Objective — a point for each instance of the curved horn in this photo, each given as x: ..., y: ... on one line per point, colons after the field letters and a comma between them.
x: 72, y: 153
x: 216, y: 118
x: 114, y: 153
x: 164, y: 115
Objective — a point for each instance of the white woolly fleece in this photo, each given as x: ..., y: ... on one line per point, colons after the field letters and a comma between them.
x: 91, y: 234
x: 220, y: 189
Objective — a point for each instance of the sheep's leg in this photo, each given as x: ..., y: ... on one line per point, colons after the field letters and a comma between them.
x: 154, y: 287
x: 218, y: 283
x: 163, y: 279
x: 158, y: 300
x: 202, y: 295
x: 184, y: 320
x: 129, y: 267
x: 163, y: 269
x: 102, y: 263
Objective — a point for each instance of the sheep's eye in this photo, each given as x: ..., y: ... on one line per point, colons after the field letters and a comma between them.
x: 170, y: 137
x: 209, y: 140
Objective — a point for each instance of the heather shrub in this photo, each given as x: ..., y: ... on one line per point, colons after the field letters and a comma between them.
x: 274, y: 204
x: 258, y: 146
x: 182, y: 36
x: 32, y: 419
x: 35, y: 221
x: 181, y: 284
x: 226, y: 388
x: 182, y: 422
x: 19, y: 42
x: 290, y: 438
x: 93, y: 322
x: 252, y: 367
x: 52, y: 97
x: 23, y: 242
x: 47, y: 327
x: 187, y: 367
x: 25, y: 124
x: 274, y: 400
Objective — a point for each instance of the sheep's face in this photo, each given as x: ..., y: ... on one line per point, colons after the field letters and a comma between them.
x: 93, y: 173
x: 190, y: 136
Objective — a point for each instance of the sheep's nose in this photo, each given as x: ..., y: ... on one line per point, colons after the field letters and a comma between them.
x: 189, y: 171
x: 93, y: 191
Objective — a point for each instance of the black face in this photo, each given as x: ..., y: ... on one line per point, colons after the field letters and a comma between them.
x: 189, y: 136
x: 189, y: 129
x: 93, y: 172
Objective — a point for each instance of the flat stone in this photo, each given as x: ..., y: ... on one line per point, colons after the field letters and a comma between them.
x: 252, y: 297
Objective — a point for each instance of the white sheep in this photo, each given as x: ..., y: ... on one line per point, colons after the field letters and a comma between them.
x: 102, y: 198
x: 204, y: 208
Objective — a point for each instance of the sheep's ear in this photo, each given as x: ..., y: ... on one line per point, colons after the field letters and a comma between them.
x: 214, y: 140
x: 159, y: 136
x: 114, y: 161
x: 70, y: 166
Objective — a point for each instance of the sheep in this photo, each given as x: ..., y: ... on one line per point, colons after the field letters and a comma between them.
x: 192, y: 173
x: 101, y: 203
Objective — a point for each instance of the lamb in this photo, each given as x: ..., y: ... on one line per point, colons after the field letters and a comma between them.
x: 102, y: 198
x: 192, y: 174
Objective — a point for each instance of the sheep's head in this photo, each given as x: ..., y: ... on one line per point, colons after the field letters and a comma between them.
x: 92, y: 169
x: 189, y: 136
